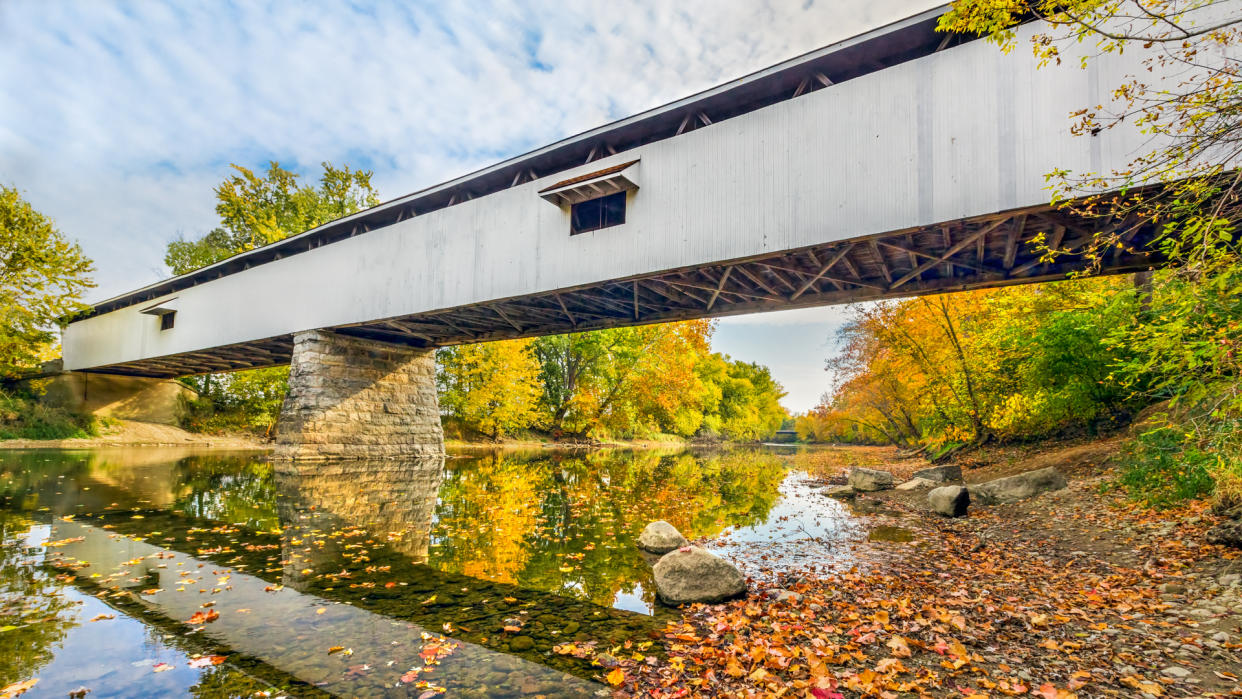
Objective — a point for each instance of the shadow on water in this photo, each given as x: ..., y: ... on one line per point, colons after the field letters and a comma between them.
x: 480, y: 565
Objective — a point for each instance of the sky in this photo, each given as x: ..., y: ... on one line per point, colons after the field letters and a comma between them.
x: 118, y: 118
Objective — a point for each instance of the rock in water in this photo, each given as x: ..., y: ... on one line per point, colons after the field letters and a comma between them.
x: 660, y: 537
x: 841, y: 492
x: 869, y: 479
x: 1226, y: 534
x: 949, y: 500
x: 1019, y: 487
x: 691, y: 574
x: 940, y: 474
x: 916, y: 483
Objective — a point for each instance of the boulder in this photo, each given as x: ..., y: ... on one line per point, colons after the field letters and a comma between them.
x: 940, y: 474
x: 1227, y: 533
x: 691, y: 574
x: 660, y: 537
x: 841, y: 492
x: 949, y: 500
x: 916, y: 483
x: 1019, y: 487
x: 869, y: 479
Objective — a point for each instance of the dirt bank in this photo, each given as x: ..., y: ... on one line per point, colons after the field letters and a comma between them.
x: 129, y: 433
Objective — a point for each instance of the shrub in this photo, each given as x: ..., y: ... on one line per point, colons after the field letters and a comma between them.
x: 24, y: 417
x: 1166, y: 466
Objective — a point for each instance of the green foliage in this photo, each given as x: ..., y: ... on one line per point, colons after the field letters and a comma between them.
x: 42, y: 279
x: 1163, y: 468
x: 35, y: 613
x: 22, y: 416
x: 242, y: 401
x: 256, y: 210
x: 1184, y: 344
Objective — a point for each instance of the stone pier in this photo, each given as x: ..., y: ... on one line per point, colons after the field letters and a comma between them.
x: 351, y: 398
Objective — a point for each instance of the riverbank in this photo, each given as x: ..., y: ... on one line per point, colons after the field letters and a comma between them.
x: 1074, y: 593
x: 130, y: 433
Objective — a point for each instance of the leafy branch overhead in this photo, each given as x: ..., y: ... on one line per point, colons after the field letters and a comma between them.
x: 42, y: 278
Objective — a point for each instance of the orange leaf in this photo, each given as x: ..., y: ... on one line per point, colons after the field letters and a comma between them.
x: 900, y: 647
x: 616, y: 677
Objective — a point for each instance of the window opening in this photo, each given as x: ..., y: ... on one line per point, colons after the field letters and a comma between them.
x: 594, y: 214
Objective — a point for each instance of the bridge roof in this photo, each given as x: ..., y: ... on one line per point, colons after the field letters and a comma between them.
x: 865, y: 53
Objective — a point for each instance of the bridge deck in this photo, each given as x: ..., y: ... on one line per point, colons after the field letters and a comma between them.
x: 984, y: 252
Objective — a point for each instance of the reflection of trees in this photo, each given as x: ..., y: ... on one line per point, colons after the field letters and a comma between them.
x: 566, y: 523
x: 234, y: 489
x: 34, y: 614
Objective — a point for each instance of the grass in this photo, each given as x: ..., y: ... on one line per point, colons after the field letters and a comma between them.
x: 1174, y: 463
x: 24, y: 417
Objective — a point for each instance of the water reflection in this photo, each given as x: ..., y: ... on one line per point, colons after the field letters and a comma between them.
x: 507, y: 555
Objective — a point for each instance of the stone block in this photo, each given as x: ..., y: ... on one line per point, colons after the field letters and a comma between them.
x: 351, y: 398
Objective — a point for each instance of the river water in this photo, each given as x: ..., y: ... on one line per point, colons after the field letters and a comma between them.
x: 135, y: 573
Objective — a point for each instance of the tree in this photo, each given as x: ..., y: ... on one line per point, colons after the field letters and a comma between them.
x: 491, y: 388
x: 1188, y: 101
x: 256, y: 210
x: 42, y: 278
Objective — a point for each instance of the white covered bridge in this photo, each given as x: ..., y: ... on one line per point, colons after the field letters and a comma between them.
x: 902, y: 161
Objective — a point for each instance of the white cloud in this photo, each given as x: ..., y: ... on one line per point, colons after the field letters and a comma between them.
x: 116, y: 118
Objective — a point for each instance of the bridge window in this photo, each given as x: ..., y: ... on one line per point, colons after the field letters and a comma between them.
x: 167, y: 320
x: 594, y: 214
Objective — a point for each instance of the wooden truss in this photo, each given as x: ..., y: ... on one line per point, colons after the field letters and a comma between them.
x: 975, y: 253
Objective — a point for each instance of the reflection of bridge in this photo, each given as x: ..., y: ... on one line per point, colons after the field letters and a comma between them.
x: 898, y: 162
x: 388, y: 646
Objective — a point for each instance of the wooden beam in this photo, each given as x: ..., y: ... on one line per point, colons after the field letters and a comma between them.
x: 757, y: 281
x: 719, y: 287
x: 879, y: 256
x: 960, y: 246
x: 832, y: 261
x: 506, y: 318
x: 1011, y: 243
x: 572, y: 321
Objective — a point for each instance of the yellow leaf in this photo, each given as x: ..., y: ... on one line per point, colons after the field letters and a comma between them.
x: 616, y: 677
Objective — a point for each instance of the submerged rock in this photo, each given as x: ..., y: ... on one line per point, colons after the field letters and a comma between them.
x: 869, y: 479
x: 949, y: 500
x: 841, y: 492
x: 916, y: 483
x: 660, y: 537
x: 691, y: 574
x: 1019, y: 487
x: 940, y: 474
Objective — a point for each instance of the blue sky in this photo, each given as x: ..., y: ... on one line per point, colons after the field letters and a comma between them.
x: 118, y: 118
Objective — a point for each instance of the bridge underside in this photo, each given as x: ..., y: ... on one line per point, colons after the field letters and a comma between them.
x: 986, y: 251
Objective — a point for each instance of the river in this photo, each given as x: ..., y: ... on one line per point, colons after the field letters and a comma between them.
x: 153, y: 572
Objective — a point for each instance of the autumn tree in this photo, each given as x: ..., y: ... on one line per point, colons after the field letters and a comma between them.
x: 1187, y: 101
x: 490, y: 388
x: 42, y: 278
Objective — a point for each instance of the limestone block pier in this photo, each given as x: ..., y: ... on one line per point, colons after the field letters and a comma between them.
x: 353, y: 398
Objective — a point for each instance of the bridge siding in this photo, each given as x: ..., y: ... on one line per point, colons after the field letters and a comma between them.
x: 862, y: 157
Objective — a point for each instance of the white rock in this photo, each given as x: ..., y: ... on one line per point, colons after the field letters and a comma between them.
x: 661, y: 537
x: 916, y: 483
